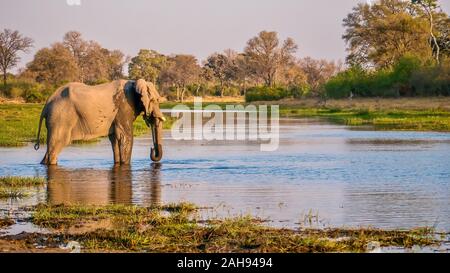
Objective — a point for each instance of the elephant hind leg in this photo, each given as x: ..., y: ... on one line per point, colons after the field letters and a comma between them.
x: 56, y: 143
x: 45, y: 159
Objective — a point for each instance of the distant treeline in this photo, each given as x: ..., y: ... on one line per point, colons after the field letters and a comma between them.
x: 395, y: 48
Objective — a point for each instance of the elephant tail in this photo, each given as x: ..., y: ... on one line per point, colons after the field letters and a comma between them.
x: 43, y: 115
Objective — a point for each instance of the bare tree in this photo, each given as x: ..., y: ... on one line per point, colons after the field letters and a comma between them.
x: 318, y: 72
x: 95, y: 63
x: 11, y: 42
x: 78, y: 47
x: 429, y: 6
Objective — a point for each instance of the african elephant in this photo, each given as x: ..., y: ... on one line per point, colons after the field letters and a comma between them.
x: 80, y: 112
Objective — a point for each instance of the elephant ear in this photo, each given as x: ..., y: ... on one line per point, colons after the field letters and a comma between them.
x: 143, y: 90
x: 153, y: 92
x: 156, y: 98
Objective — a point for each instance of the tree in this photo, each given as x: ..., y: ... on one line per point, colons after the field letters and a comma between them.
x: 429, y: 6
x: 78, y: 47
x: 54, y: 65
x: 293, y: 76
x: 115, y: 62
x: 442, y: 24
x: 95, y: 63
x: 147, y: 65
x: 11, y: 43
x: 318, y: 72
x: 222, y: 69
x: 266, y: 57
x: 378, y: 35
x: 181, y: 71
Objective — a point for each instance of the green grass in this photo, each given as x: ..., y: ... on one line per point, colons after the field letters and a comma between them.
x: 12, y: 187
x: 12, y: 193
x: 19, y: 181
x: 174, y: 228
x: 418, y: 120
x: 19, y: 124
x: 426, y: 119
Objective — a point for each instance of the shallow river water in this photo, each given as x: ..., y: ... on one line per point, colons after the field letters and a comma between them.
x: 322, y: 174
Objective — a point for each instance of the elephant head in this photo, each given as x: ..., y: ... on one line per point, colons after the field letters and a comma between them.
x: 153, y: 117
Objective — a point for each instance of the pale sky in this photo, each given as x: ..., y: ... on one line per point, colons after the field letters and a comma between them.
x: 198, y: 27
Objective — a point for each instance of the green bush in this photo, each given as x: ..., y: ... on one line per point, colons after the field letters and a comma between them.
x: 27, y: 89
x: 300, y: 91
x: 265, y: 93
x: 15, y: 92
x: 409, y: 77
x: 353, y: 80
x: 432, y: 80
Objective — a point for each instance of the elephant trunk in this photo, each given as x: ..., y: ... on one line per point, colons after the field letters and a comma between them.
x: 156, y: 152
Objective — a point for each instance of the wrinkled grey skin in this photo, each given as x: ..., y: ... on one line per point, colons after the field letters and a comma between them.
x: 80, y: 112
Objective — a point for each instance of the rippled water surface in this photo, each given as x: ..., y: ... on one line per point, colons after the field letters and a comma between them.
x: 341, y: 176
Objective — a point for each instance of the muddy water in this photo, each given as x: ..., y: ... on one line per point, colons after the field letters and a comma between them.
x: 322, y: 174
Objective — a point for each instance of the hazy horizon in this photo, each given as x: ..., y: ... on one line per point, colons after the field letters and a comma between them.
x: 197, y: 27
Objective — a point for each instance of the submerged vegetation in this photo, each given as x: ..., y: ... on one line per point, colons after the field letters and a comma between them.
x: 18, y: 181
x: 175, y: 228
x: 6, y: 222
x: 14, y: 186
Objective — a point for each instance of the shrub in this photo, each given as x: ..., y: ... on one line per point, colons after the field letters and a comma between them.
x: 265, y: 93
x: 15, y: 92
x: 27, y: 89
x: 409, y: 77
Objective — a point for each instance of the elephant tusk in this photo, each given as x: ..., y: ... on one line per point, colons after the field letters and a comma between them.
x: 162, y: 118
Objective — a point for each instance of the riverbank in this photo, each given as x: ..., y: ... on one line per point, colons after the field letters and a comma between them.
x: 19, y: 122
x: 175, y: 228
x: 414, y: 114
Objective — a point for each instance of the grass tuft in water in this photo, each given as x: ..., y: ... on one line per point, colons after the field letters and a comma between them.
x: 12, y: 193
x: 21, y: 181
x: 6, y: 222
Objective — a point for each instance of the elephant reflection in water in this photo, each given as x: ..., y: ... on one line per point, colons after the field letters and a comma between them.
x: 101, y: 187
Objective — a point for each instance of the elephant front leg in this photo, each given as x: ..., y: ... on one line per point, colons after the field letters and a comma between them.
x: 125, y: 148
x: 115, y: 148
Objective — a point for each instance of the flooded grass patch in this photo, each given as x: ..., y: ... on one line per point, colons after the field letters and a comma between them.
x: 21, y: 181
x: 13, y: 187
x: 12, y: 193
x: 6, y: 222
x: 175, y: 228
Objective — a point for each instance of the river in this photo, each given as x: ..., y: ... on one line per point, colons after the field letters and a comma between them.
x: 322, y: 175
